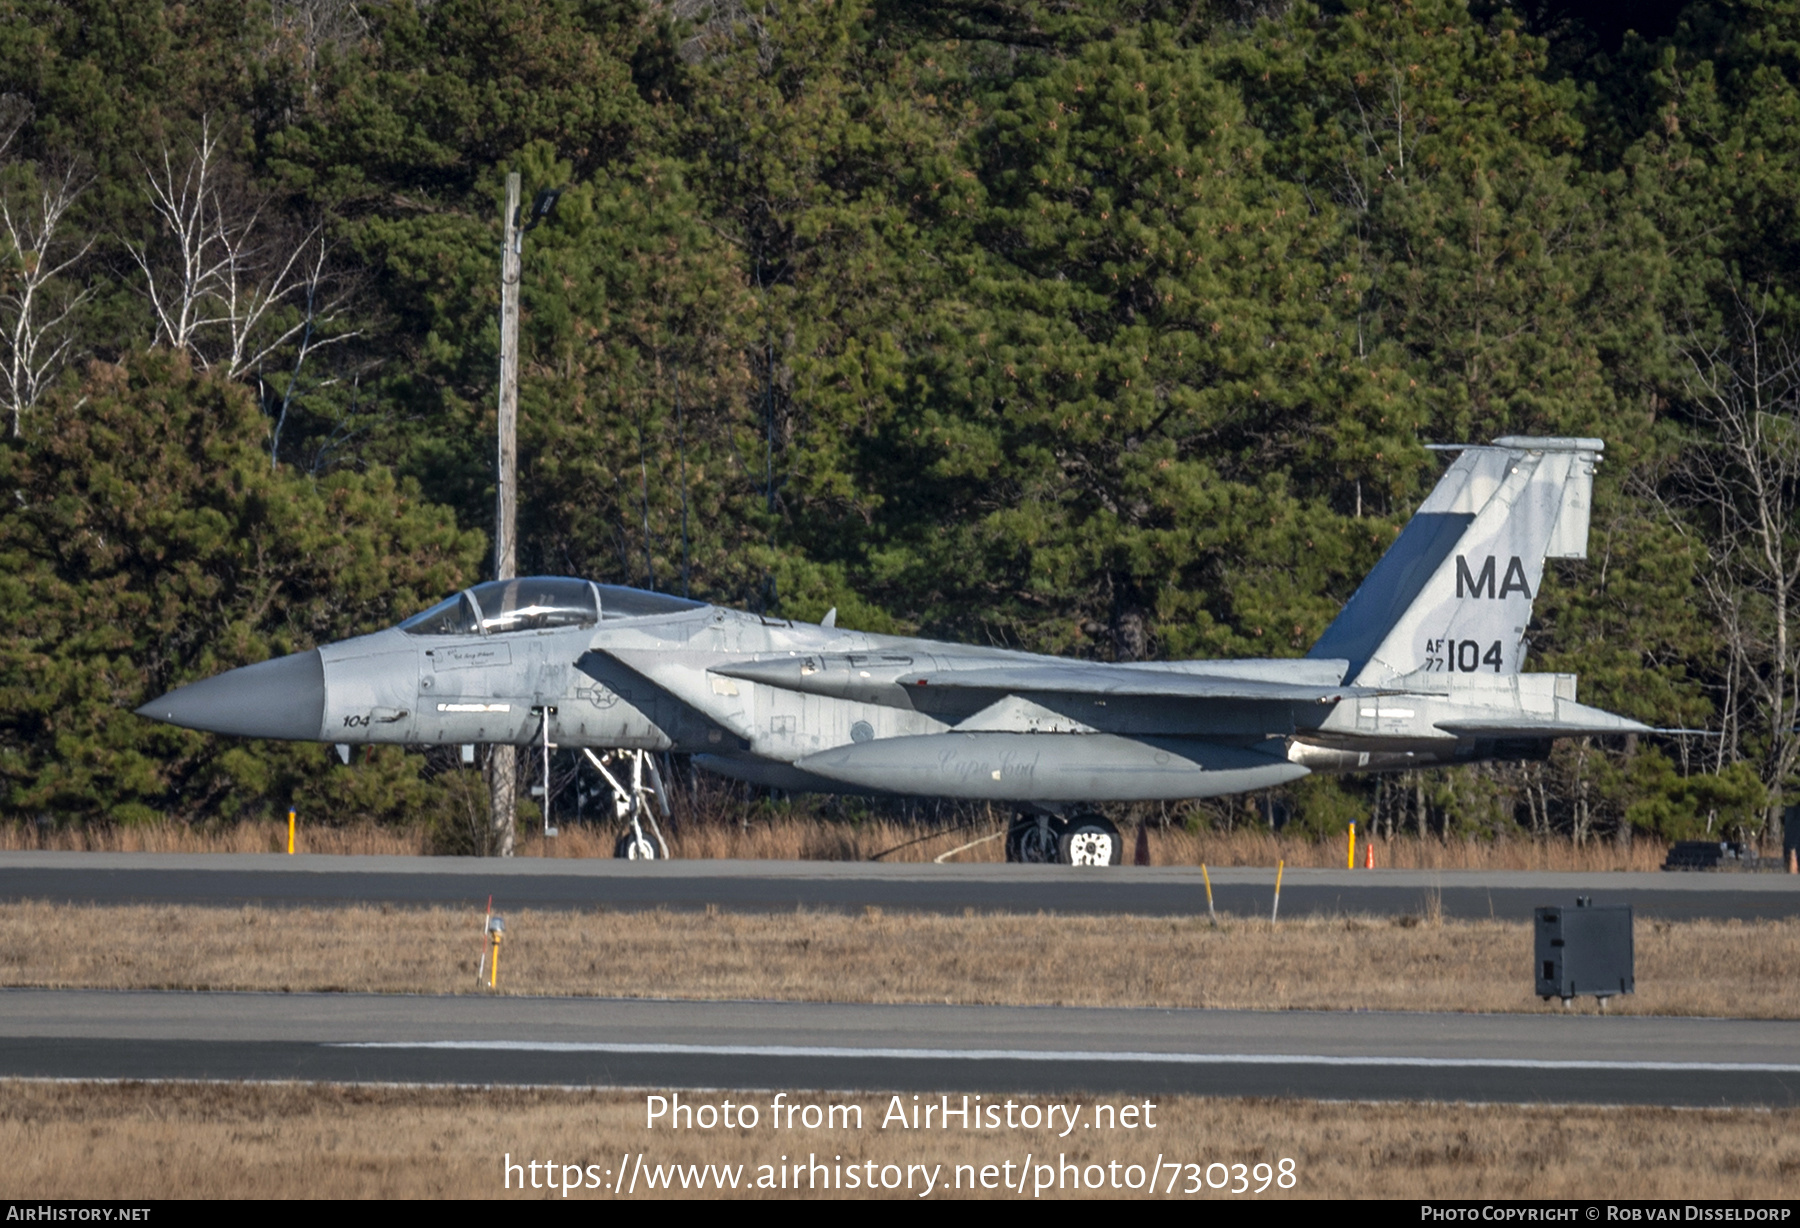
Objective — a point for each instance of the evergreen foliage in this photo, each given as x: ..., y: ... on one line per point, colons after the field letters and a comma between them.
x: 1112, y: 328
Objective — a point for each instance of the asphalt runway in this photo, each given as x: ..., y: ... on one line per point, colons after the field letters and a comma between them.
x: 946, y: 1049
x: 232, y: 879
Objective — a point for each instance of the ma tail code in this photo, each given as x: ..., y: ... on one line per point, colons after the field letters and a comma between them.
x: 1472, y: 585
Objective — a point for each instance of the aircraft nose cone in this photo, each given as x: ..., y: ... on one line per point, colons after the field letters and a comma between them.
x: 283, y: 698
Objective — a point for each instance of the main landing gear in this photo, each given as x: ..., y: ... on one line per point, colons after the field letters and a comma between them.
x: 1081, y: 839
x: 631, y: 802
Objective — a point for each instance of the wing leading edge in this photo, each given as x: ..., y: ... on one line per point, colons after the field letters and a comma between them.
x: 1102, y: 679
x: 844, y: 676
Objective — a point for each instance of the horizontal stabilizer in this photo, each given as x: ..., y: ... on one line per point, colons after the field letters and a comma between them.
x: 1571, y: 720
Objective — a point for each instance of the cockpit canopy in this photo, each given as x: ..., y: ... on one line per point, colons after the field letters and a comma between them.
x: 539, y: 603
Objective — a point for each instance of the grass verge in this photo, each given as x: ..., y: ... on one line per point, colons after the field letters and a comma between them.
x: 811, y: 839
x: 1728, y: 968
x: 141, y: 1140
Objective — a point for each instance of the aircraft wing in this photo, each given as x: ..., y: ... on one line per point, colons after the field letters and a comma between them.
x: 678, y: 675
x: 1084, y: 678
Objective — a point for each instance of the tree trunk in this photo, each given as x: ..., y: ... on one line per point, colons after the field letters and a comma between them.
x: 1582, y: 817
x: 1131, y: 636
x: 503, y: 781
x: 1781, y: 726
x: 503, y: 788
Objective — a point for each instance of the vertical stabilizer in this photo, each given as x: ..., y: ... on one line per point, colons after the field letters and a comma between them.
x: 1453, y: 594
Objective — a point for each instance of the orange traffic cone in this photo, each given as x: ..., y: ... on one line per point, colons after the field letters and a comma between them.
x: 1368, y: 854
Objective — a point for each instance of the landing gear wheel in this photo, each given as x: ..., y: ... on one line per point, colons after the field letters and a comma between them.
x: 1034, y: 838
x: 634, y: 847
x: 1089, y: 840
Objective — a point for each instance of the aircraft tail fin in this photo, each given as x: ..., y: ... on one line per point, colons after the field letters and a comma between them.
x: 1453, y: 594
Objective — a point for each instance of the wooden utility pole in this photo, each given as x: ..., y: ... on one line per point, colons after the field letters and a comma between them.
x: 502, y: 764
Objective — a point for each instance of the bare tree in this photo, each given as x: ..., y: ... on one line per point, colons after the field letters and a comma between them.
x: 1745, y: 475
x: 37, y: 305
x: 221, y: 284
x: 15, y: 112
x: 305, y: 28
x: 316, y: 296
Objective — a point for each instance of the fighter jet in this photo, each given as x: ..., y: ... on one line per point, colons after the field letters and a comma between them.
x: 1424, y: 666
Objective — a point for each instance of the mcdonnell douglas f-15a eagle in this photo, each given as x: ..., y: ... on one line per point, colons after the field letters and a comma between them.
x: 1423, y: 667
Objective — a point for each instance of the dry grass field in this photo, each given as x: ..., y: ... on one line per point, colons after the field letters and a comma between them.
x: 809, y: 839
x: 1684, y: 968
x: 146, y: 1140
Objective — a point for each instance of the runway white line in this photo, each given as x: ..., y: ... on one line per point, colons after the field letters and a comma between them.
x: 1062, y: 1055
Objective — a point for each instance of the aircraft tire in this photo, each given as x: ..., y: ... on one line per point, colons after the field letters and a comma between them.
x: 1034, y: 840
x: 1090, y: 840
x: 630, y: 847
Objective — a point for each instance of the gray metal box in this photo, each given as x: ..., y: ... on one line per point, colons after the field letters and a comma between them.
x: 1585, y: 949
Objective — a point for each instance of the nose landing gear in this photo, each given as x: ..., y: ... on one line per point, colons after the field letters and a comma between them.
x: 634, y: 847
x: 633, y: 803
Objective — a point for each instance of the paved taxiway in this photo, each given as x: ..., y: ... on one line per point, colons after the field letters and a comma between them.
x: 530, y: 882
x: 747, y: 1045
